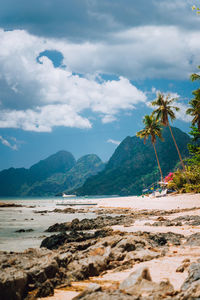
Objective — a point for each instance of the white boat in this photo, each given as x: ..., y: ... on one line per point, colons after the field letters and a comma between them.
x: 68, y: 196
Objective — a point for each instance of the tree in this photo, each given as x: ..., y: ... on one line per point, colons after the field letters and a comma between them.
x: 153, y: 129
x: 194, y: 110
x: 194, y: 148
x: 164, y: 111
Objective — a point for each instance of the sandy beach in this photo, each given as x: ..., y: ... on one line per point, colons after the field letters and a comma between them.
x: 166, y: 203
x: 159, y: 236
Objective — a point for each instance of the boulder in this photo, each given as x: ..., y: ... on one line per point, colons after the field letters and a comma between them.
x: 46, y: 289
x: 134, y: 278
x: 193, y: 275
x: 92, y: 288
x: 193, y: 240
x: 13, y: 285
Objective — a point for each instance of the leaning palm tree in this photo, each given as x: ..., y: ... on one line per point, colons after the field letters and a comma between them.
x: 153, y: 129
x: 164, y: 111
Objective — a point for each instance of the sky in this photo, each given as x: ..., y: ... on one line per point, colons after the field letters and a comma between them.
x: 79, y: 75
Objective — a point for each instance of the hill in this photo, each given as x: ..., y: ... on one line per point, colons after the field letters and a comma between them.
x: 55, y: 174
x: 133, y: 165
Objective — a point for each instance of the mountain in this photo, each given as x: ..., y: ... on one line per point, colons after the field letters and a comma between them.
x: 55, y: 174
x: 85, y: 167
x: 133, y: 165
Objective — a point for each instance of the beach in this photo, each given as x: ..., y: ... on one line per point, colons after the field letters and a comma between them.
x: 131, y: 247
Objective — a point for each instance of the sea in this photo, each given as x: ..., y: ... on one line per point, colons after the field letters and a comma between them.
x: 13, y: 219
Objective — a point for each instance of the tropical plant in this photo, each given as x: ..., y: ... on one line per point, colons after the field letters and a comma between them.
x: 194, y: 109
x: 153, y: 129
x: 164, y: 111
x: 179, y: 181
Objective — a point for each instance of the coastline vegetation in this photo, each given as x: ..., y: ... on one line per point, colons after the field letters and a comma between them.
x: 187, y: 179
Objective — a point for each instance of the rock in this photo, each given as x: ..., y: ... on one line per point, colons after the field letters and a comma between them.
x: 191, y: 293
x: 40, y: 211
x: 143, y: 255
x: 105, y: 295
x: 92, y: 288
x: 134, y: 278
x: 193, y: 240
x: 56, y: 240
x: 13, y: 285
x: 24, y: 230
x: 139, y: 284
x: 189, y: 220
x: 46, y: 289
x: 161, y: 239
x: 88, y: 267
x: 193, y: 275
x: 57, y: 227
x: 90, y: 224
x: 183, y: 267
x: 3, y: 204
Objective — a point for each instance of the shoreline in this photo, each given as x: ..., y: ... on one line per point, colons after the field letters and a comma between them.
x: 167, y: 202
x: 159, y: 235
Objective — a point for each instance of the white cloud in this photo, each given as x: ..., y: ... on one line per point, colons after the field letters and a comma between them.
x: 42, y: 119
x: 113, y: 142
x: 48, y: 96
x: 140, y: 52
x: 40, y: 96
x: 8, y: 144
x: 181, y: 114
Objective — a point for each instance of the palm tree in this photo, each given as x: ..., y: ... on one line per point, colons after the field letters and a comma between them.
x: 153, y: 129
x: 165, y: 111
x: 194, y: 111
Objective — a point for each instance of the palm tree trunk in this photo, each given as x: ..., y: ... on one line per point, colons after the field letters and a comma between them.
x: 158, y: 162
x: 179, y: 154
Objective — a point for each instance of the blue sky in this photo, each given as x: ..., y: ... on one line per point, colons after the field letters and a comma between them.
x: 78, y: 75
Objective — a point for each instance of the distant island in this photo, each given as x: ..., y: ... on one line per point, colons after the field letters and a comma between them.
x: 58, y: 173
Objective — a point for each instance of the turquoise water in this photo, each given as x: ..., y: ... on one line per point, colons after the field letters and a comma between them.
x: 16, y: 218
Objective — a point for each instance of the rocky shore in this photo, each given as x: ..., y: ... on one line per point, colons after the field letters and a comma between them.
x: 109, y: 263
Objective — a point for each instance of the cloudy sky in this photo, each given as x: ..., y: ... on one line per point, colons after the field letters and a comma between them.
x: 79, y: 75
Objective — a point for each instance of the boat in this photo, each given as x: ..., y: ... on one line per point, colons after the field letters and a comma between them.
x: 68, y: 196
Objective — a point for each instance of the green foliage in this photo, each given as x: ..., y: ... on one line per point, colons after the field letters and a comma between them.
x: 194, y: 109
x: 152, y: 129
x: 192, y: 170
x: 165, y: 109
x: 178, y: 181
x: 180, y: 184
